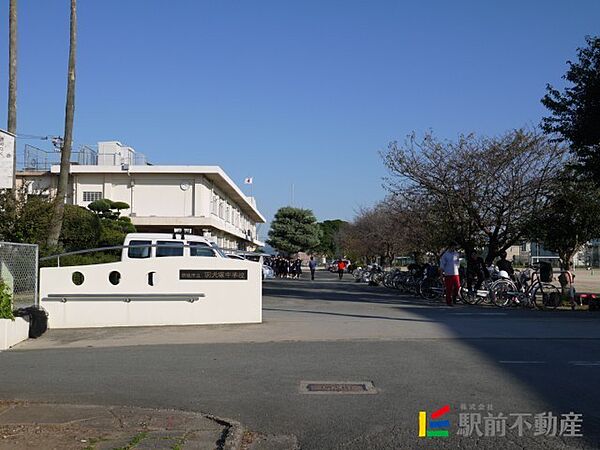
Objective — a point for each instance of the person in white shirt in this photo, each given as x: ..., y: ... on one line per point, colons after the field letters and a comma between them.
x: 449, y: 265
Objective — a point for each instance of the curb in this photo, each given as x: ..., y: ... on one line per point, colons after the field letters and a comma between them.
x: 232, y: 439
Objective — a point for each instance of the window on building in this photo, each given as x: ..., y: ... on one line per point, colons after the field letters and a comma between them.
x: 139, y: 252
x: 91, y: 196
x: 169, y: 248
x: 214, y: 203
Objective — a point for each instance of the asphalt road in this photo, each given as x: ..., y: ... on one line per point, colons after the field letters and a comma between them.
x: 419, y: 355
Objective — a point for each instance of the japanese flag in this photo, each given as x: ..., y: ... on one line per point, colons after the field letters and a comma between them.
x: 248, y: 180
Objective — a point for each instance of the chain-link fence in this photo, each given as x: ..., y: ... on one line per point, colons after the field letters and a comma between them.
x: 19, y: 272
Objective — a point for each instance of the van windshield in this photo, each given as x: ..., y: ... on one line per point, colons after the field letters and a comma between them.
x: 201, y: 249
x: 139, y: 252
x: 169, y: 248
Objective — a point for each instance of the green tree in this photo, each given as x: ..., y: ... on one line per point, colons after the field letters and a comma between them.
x: 113, y: 227
x: 570, y: 220
x: 101, y: 207
x: 113, y: 231
x: 33, y: 220
x: 107, y: 209
x: 27, y: 219
x: 576, y: 111
x: 294, y: 230
x: 330, y: 243
x: 81, y: 229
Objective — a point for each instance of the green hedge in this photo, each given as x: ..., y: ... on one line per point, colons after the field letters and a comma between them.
x: 6, y: 306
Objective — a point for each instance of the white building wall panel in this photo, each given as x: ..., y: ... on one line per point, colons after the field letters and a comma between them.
x: 163, y: 196
x: 217, y: 301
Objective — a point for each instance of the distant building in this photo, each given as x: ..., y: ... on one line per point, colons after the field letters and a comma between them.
x: 532, y: 252
x: 160, y: 197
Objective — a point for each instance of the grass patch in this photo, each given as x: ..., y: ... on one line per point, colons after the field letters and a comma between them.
x: 134, y: 441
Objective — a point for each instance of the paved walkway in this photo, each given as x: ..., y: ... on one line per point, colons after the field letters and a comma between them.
x: 32, y: 426
x: 50, y: 426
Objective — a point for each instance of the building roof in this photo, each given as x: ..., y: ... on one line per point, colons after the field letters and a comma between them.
x: 214, y: 174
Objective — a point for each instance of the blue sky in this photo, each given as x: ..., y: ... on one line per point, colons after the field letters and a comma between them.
x: 291, y: 92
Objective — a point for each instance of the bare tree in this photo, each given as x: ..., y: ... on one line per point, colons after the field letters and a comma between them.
x: 65, y: 157
x: 374, y: 233
x: 12, y: 81
x: 422, y: 225
x: 483, y: 191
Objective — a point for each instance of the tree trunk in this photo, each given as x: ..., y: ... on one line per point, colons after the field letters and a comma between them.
x: 493, y: 252
x: 12, y: 82
x: 566, y: 258
x: 65, y: 157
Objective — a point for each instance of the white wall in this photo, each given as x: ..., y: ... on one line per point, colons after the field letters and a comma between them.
x: 162, y: 196
x: 12, y: 332
x: 223, y: 301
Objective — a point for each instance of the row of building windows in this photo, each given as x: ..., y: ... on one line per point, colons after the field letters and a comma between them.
x: 91, y: 196
x: 230, y: 214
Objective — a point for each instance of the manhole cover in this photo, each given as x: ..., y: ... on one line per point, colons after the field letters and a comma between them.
x: 337, y: 387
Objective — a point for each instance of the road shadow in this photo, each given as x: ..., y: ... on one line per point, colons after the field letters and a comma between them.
x: 562, y: 372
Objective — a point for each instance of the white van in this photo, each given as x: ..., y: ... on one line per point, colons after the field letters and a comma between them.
x: 158, y: 245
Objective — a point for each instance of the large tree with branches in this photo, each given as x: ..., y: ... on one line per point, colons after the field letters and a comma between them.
x: 575, y: 112
x: 484, y: 191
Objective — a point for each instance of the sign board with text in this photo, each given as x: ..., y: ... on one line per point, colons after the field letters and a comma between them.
x: 7, y: 152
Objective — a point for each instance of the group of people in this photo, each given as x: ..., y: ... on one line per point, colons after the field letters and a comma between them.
x: 476, y: 271
x: 291, y: 268
x: 286, y: 267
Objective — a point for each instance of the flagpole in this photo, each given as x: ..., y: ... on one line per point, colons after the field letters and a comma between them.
x: 250, y: 181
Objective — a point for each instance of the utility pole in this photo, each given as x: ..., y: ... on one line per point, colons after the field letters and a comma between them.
x: 12, y: 83
x: 65, y: 156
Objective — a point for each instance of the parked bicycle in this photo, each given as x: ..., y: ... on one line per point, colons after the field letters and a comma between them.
x: 531, y: 288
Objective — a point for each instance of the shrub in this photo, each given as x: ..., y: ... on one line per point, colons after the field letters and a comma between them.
x: 81, y: 229
x: 112, y: 232
x: 32, y: 221
x: 6, y: 311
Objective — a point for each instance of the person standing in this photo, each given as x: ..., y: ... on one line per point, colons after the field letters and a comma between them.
x: 287, y: 266
x: 297, y: 269
x: 312, y: 265
x: 477, y: 272
x: 341, y: 267
x: 449, y: 264
x: 506, y: 265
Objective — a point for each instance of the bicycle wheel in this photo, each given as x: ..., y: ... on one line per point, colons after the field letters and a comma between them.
x: 546, y: 296
x: 429, y: 288
x: 502, y: 292
x: 466, y: 296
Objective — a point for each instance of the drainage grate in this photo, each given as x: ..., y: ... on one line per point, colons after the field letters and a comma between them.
x: 337, y: 387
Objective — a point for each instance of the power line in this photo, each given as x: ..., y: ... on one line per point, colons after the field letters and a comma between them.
x: 33, y: 136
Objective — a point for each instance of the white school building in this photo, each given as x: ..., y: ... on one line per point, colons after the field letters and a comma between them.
x: 161, y: 197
